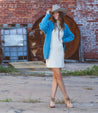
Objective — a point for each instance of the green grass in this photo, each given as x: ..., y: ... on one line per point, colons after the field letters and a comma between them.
x: 7, y: 69
x: 6, y: 100
x: 88, y: 71
x: 58, y: 101
x: 88, y: 88
x: 24, y: 101
x: 31, y: 101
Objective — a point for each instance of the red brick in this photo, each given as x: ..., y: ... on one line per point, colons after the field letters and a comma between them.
x: 28, y: 11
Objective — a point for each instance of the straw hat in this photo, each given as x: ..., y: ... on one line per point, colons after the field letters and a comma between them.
x: 58, y: 8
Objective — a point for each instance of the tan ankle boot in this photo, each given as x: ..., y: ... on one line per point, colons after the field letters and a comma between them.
x: 68, y: 102
x: 52, y: 102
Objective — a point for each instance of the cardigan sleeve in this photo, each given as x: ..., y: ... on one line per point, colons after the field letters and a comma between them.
x: 68, y: 35
x: 44, y: 24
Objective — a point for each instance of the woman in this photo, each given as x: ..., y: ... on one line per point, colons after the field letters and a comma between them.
x: 57, y: 33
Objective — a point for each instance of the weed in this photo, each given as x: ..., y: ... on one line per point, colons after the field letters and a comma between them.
x: 7, y: 69
x: 88, y: 71
x: 58, y: 101
x: 6, y: 100
x: 31, y: 101
x: 88, y: 88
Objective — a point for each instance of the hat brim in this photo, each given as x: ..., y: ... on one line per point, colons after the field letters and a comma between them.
x: 61, y: 10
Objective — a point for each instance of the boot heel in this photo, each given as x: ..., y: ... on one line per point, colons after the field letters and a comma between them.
x: 68, y: 103
x: 52, y: 102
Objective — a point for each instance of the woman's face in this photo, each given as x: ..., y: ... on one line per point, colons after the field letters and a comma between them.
x: 56, y: 15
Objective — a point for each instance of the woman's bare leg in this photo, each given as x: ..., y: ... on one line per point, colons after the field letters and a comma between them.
x: 57, y: 73
x: 54, y: 89
x: 54, y: 86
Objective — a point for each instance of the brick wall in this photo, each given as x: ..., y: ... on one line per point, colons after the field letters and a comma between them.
x: 82, y: 11
x: 86, y: 17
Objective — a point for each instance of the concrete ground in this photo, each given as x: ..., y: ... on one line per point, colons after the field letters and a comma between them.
x: 31, y: 94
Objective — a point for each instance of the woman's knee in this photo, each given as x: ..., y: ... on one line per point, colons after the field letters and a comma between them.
x: 57, y: 74
x: 54, y: 76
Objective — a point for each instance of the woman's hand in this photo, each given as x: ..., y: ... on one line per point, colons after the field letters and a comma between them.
x: 48, y: 11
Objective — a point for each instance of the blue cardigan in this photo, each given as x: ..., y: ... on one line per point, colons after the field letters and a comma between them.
x: 47, y: 27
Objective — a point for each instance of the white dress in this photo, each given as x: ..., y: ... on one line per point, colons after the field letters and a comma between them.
x: 56, y: 55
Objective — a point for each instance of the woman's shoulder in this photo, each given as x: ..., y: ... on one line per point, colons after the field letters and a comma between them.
x: 65, y: 25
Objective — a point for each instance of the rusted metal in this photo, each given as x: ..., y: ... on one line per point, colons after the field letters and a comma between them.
x: 1, y: 54
x: 73, y: 46
x: 36, y: 41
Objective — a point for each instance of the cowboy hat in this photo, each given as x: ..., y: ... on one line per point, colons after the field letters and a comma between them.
x: 58, y: 8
